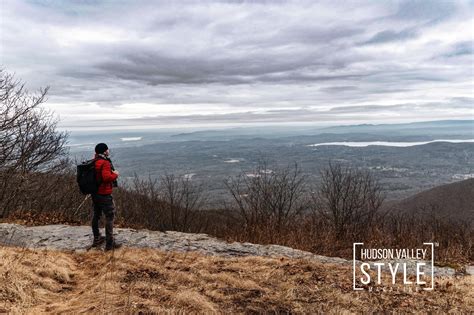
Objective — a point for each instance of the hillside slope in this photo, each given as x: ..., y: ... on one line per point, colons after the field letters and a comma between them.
x: 453, y: 201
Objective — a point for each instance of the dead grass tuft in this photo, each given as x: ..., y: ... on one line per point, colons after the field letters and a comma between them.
x: 146, y: 280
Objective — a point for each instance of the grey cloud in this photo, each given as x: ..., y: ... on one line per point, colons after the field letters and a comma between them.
x: 390, y: 36
x: 461, y: 49
x: 241, y: 54
x: 307, y: 34
x: 449, y: 103
x: 369, y: 108
x: 435, y: 10
x: 348, y: 113
x: 154, y: 69
x: 343, y: 88
x: 463, y: 100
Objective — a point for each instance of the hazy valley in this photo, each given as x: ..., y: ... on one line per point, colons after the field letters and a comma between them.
x: 211, y: 156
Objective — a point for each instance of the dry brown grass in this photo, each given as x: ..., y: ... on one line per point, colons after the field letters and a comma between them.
x: 133, y: 280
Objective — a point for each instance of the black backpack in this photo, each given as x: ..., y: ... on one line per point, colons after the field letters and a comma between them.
x: 86, y: 177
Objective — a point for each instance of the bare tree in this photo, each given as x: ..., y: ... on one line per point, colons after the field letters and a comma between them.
x: 170, y: 203
x: 269, y: 198
x: 29, y: 140
x: 349, y: 199
x: 183, y: 200
x: 140, y: 203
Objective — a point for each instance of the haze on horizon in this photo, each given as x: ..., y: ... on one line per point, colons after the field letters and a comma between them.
x: 129, y: 64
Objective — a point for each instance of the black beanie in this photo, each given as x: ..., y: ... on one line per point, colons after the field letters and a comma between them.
x: 101, y: 148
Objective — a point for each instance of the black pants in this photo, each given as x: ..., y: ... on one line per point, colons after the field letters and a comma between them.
x: 103, y: 204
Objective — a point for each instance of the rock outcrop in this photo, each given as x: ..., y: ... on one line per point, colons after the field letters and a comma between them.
x: 79, y: 238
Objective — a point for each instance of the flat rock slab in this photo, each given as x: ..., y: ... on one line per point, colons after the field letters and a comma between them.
x: 79, y: 238
x: 470, y: 270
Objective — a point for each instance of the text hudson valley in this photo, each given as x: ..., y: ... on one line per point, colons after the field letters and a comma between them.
x: 412, y: 264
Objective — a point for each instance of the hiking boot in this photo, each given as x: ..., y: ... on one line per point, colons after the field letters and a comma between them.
x: 112, y: 246
x: 98, y: 241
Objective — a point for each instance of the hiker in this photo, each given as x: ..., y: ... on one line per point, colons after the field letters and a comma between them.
x: 103, y: 202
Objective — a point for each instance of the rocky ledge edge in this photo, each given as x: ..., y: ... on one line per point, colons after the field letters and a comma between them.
x: 79, y: 238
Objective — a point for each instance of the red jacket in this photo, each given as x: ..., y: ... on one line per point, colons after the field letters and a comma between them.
x: 104, y: 174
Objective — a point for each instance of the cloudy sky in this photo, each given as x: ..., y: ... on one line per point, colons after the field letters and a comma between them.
x: 120, y: 64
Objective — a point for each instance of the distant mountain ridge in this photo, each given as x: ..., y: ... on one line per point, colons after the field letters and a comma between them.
x: 464, y: 128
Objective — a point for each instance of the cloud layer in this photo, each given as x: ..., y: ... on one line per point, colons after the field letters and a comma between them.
x: 160, y: 63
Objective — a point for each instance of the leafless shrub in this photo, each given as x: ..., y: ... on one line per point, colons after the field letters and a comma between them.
x: 455, y: 237
x: 349, y: 199
x: 269, y: 199
x: 138, y: 204
x: 183, y: 199
x: 171, y: 203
